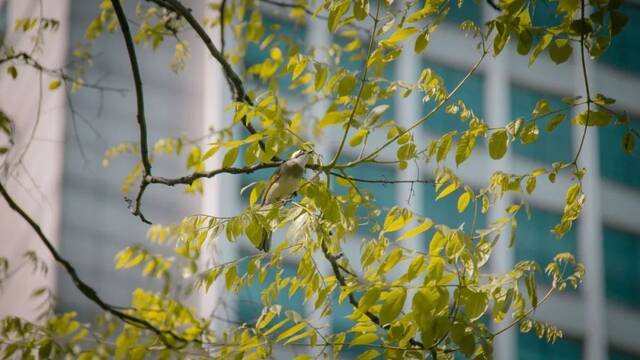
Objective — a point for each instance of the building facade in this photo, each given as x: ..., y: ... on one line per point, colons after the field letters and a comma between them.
x: 599, y: 319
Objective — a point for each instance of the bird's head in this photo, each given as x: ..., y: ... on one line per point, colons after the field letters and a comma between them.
x: 300, y: 156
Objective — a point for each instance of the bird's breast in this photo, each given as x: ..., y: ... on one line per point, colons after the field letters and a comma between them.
x: 284, y: 187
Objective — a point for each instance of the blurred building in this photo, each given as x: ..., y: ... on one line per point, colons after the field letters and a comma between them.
x: 599, y: 319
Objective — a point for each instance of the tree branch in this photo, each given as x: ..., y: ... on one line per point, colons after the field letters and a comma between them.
x: 142, y: 124
x: 333, y: 260
x: 137, y: 79
x: 89, y: 292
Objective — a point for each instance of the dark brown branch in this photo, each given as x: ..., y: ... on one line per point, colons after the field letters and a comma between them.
x: 335, y: 266
x: 89, y: 292
x: 137, y: 79
x: 142, y: 124
x: 290, y: 5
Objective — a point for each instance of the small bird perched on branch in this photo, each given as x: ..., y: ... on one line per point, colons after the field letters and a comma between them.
x: 284, y: 182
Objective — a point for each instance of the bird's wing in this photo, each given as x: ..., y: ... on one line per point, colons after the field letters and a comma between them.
x: 272, y: 180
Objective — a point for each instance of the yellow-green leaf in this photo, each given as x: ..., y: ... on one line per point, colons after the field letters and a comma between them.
x: 594, y: 118
x: 554, y: 122
x: 426, y: 225
x: 629, y: 142
x: 230, y: 157
x: 364, y: 339
x: 498, y: 144
x: 54, y: 84
x: 292, y: 331
x: 400, y: 35
x: 463, y: 201
x: 392, y: 305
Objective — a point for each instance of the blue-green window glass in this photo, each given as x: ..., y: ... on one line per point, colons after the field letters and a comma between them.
x: 249, y: 305
x: 622, y: 269
x: 622, y: 355
x: 530, y: 347
x: 469, y: 11
x: 385, y: 194
x: 535, y: 242
x: 470, y: 93
x: 544, y: 13
x: 615, y: 164
x: 3, y: 21
x: 624, y: 50
x: 288, y: 36
x: 550, y: 147
x: 445, y: 211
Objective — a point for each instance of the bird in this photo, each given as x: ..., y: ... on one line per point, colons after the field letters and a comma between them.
x: 284, y: 182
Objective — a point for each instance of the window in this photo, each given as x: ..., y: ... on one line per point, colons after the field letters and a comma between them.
x: 622, y: 270
x: 624, y: 50
x: 530, y: 347
x: 469, y: 11
x: 249, y: 305
x: 543, y: 13
x: 535, y: 242
x: 470, y: 93
x: 615, y: 354
x: 615, y: 164
x: 550, y: 147
x: 3, y: 21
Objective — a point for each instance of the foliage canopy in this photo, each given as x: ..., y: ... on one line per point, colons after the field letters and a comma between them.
x: 406, y: 300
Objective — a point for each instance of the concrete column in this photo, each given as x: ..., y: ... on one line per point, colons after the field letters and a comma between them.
x: 589, y: 229
x: 497, y: 113
x: 32, y: 170
x: 220, y: 193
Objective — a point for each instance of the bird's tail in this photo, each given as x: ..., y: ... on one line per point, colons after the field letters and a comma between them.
x: 265, y: 244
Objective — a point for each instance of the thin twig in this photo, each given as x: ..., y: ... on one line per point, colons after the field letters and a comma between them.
x: 89, y: 292
x: 360, y: 91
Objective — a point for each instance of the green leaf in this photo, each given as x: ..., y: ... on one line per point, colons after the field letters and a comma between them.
x: 437, y: 243
x: 396, y: 219
x: 465, y: 147
x: 629, y: 142
x: 475, y: 303
x: 54, y: 84
x: 529, y: 134
x: 392, y: 305
x: 426, y: 225
x: 346, y: 85
x: 421, y: 42
x: 400, y: 35
x: 560, y: 50
x: 292, y: 331
x: 368, y: 299
x: 594, y: 118
x: 361, y: 9
x: 333, y: 118
x: 554, y: 122
x: 230, y: 157
x: 448, y: 190
x: 320, y: 78
x: 544, y: 42
x: 357, y: 138
x: 525, y: 40
x: 364, y: 339
x: 498, y: 144
x: 463, y: 201
x: 12, y: 71
x: 369, y: 355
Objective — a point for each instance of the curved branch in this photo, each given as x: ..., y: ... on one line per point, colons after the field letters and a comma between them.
x: 137, y: 79
x: 89, y: 292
